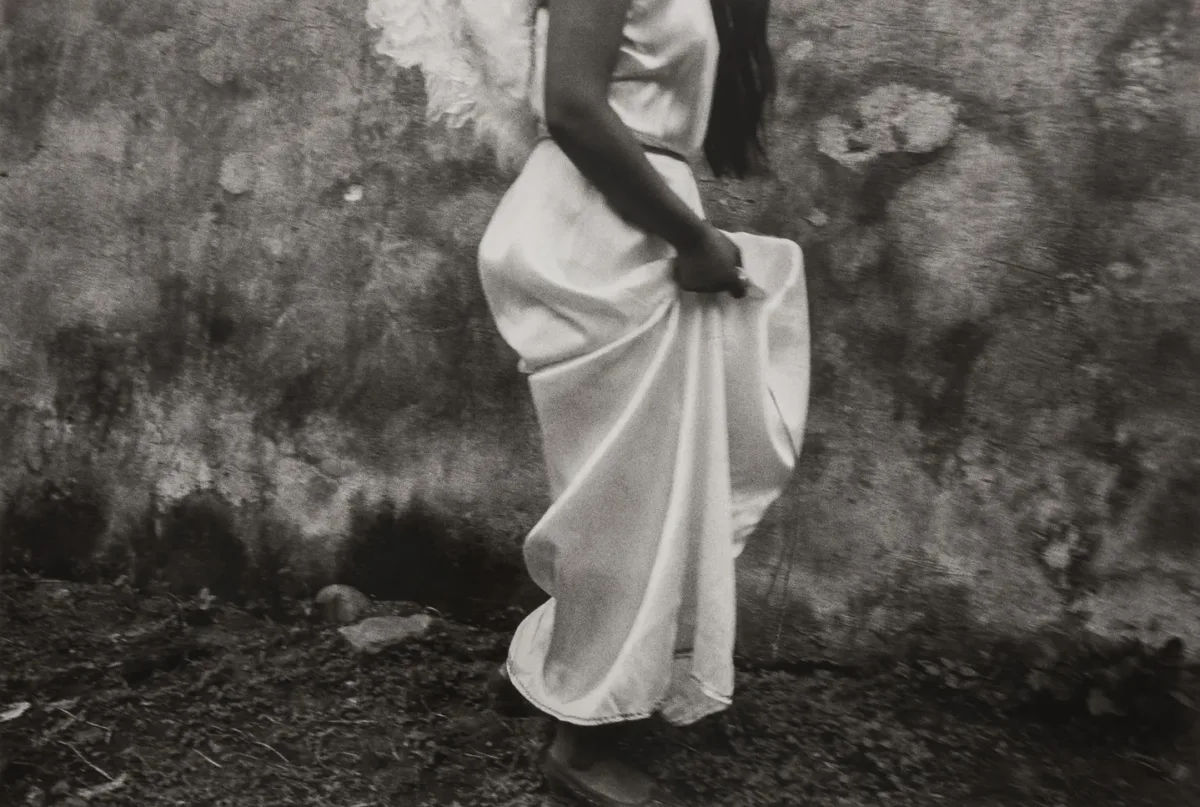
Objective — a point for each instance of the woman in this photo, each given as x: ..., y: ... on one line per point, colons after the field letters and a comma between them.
x: 668, y: 360
x: 671, y: 402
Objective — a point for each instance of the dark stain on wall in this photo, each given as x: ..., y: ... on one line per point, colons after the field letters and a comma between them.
x: 1174, y: 516
x: 197, y: 323
x: 1124, y: 453
x: 943, y: 618
x: 1174, y: 352
x: 883, y: 179
x: 52, y: 528
x: 198, y: 547
x: 354, y: 320
x: 33, y: 45
x: 94, y: 388
x: 942, y: 405
x: 144, y: 551
x: 137, y: 18
x: 301, y: 396
x: 1078, y: 542
x: 420, y: 554
x: 166, y: 345
x: 284, y: 569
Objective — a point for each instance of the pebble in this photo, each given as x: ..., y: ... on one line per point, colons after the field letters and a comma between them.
x: 381, y: 632
x: 342, y: 605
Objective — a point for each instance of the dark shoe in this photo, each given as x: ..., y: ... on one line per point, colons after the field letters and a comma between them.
x: 506, y: 700
x: 565, y: 782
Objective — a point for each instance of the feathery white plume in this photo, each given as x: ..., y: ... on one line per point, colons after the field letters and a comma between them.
x: 476, y: 57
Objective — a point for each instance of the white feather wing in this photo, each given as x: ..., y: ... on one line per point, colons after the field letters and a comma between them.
x: 476, y: 57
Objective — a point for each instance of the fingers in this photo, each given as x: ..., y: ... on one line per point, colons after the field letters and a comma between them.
x: 736, y: 283
x: 740, y: 285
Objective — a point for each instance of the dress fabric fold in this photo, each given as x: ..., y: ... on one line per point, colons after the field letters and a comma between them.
x: 669, y: 421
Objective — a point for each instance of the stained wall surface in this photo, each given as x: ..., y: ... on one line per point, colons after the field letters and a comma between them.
x: 243, y: 346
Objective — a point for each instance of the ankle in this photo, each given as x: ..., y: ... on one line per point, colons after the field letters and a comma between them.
x: 580, y: 746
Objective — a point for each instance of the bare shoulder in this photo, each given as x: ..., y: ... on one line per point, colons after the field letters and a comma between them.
x: 575, y: 7
x: 583, y: 39
x: 585, y: 36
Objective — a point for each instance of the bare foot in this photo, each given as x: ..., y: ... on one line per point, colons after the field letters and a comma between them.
x: 589, y: 761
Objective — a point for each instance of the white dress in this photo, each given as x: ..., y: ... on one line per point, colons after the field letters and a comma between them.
x: 670, y: 420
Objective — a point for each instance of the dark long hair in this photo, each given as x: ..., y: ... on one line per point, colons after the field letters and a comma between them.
x: 735, y: 142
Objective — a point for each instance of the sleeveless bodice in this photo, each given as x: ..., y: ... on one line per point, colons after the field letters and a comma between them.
x: 662, y: 84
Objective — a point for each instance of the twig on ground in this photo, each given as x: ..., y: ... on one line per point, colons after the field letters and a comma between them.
x: 270, y: 748
x: 106, y: 729
x: 206, y: 758
x: 88, y: 762
x: 273, y: 751
x: 103, y: 790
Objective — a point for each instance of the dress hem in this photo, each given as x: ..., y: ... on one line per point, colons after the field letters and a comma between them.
x: 722, y: 702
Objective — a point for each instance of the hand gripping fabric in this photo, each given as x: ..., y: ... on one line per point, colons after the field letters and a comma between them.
x: 476, y: 57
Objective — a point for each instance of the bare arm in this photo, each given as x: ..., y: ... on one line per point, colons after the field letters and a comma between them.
x: 583, y: 42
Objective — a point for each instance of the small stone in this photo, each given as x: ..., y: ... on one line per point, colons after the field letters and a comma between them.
x: 87, y: 794
x: 381, y: 632
x: 92, y: 735
x: 1057, y: 556
x: 339, y: 604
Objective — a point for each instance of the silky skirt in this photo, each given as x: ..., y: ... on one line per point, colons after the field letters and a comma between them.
x: 670, y: 421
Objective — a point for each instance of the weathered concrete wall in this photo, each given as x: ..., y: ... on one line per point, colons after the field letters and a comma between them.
x: 242, y: 342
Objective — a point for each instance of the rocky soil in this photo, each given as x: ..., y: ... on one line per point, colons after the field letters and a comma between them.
x: 109, y: 696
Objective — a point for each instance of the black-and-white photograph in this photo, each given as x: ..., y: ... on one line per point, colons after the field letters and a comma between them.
x: 624, y: 403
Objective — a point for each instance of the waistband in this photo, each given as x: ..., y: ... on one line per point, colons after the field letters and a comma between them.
x: 653, y: 149
x: 666, y: 152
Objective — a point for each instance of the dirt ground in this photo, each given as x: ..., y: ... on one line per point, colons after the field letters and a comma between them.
x: 111, y: 697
